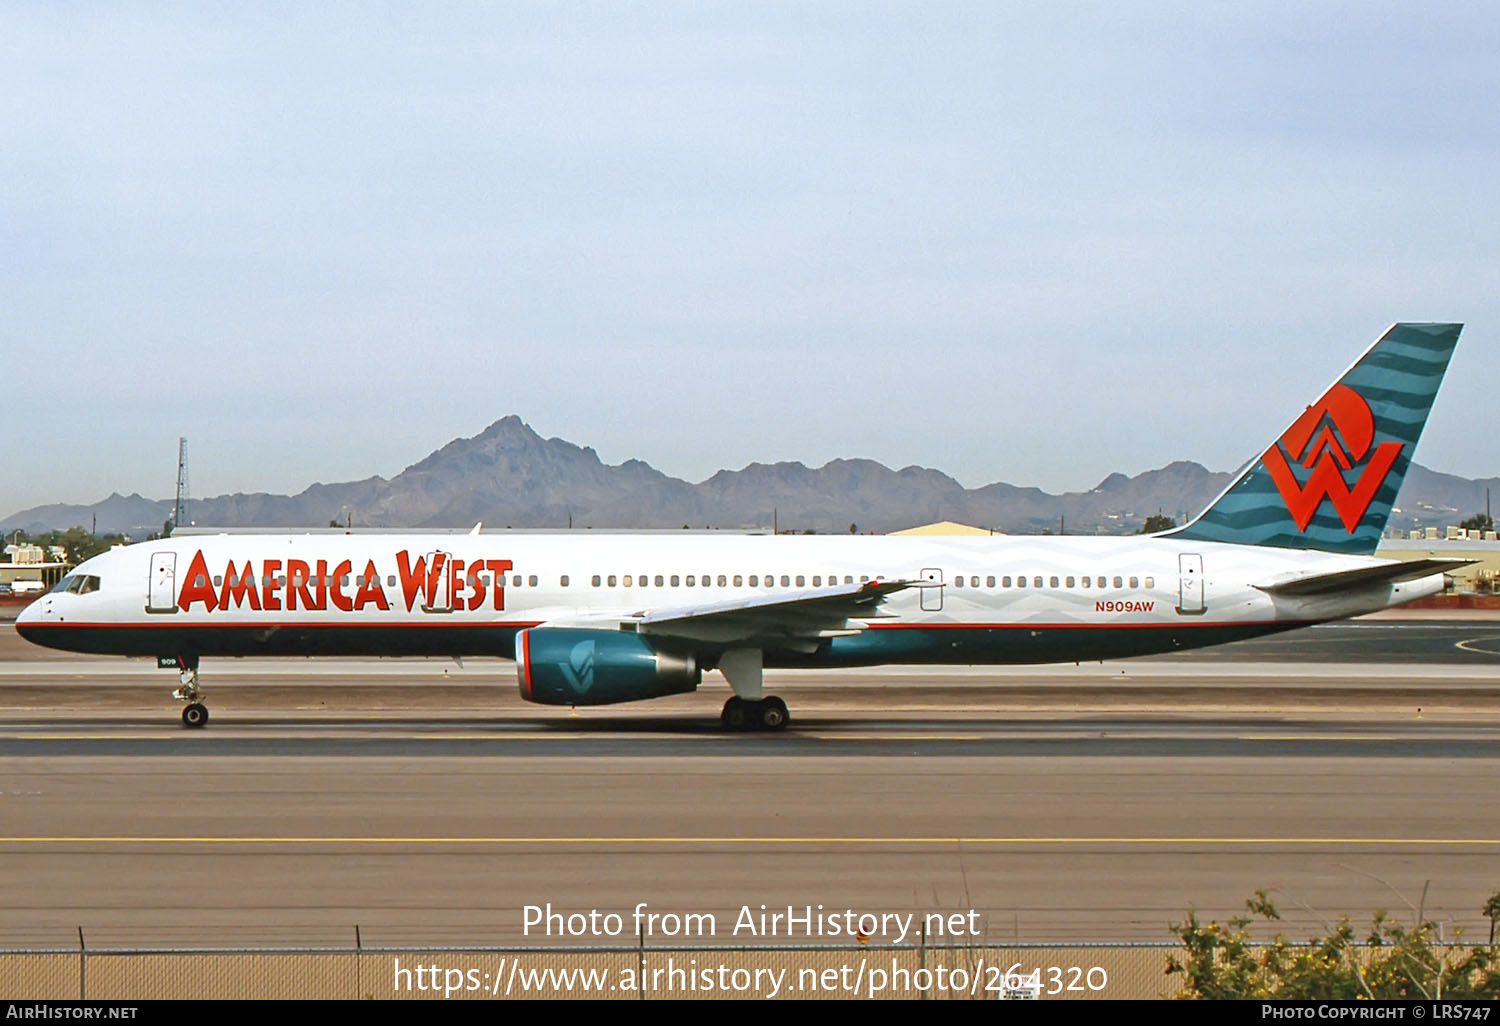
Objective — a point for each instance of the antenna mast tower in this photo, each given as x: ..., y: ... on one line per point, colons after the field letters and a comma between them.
x: 179, y: 509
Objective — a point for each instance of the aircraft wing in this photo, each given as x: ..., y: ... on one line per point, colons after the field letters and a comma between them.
x: 1341, y: 580
x: 796, y: 620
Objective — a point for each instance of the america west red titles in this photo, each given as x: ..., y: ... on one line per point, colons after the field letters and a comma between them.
x: 318, y: 586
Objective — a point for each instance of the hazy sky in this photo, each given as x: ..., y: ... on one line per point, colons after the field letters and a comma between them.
x: 1025, y: 242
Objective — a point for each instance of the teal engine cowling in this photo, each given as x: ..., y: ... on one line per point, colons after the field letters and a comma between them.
x: 567, y: 666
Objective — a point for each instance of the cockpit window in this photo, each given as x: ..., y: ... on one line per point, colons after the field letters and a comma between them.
x: 77, y: 584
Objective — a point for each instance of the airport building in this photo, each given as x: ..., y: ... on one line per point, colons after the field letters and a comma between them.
x: 1483, y: 576
x: 945, y: 527
x: 30, y: 569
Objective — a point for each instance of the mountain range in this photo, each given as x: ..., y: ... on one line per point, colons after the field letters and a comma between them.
x: 509, y: 476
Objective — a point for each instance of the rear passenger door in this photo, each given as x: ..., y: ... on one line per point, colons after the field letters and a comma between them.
x: 1190, y: 583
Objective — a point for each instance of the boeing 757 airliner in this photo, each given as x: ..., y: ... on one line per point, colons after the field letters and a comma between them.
x: 592, y: 619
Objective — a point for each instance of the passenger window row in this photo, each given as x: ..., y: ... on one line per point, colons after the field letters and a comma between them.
x: 1050, y: 581
x: 267, y: 581
x: 599, y: 581
x: 84, y: 584
x: 716, y: 580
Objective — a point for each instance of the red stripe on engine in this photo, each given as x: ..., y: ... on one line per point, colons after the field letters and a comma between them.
x: 526, y: 665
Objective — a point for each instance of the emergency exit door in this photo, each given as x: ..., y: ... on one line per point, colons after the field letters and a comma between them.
x: 932, y: 593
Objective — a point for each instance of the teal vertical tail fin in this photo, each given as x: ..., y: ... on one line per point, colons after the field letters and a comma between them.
x: 1331, y: 478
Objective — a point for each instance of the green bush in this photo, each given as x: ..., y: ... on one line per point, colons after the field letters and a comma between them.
x: 1394, y: 963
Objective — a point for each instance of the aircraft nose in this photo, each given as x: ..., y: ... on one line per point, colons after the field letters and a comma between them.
x: 28, y: 617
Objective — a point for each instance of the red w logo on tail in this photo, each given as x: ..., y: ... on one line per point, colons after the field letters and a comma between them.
x: 1330, y: 437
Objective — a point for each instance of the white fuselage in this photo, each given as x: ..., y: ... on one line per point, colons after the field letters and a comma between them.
x: 997, y: 599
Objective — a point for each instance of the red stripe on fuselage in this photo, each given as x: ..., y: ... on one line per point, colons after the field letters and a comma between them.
x: 182, y: 624
x: 260, y: 625
x: 1068, y: 625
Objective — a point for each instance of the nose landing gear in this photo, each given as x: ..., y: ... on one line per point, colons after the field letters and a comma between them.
x: 195, y: 713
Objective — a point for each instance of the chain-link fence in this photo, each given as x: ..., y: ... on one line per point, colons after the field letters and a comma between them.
x: 931, y: 971
x: 906, y: 971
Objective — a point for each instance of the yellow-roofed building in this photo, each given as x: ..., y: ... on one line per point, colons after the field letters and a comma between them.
x: 945, y: 527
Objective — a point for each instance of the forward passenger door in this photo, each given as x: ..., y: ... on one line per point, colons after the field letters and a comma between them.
x: 162, y: 596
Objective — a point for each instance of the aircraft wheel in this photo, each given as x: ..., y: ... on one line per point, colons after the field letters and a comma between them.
x: 774, y: 714
x: 195, y: 715
x: 735, y: 715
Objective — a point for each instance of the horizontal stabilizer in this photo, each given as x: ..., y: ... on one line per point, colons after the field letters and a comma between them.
x: 1343, y: 580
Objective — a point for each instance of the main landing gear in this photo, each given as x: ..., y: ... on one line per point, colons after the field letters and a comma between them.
x: 764, y: 714
x: 195, y: 713
x: 749, y: 709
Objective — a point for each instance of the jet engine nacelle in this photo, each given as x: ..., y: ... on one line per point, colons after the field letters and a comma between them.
x: 566, y: 666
